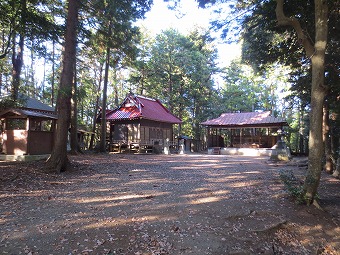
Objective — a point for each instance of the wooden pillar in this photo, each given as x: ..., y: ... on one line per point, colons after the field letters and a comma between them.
x: 240, y: 137
x: 260, y: 139
x: 218, y: 138
x: 28, y: 138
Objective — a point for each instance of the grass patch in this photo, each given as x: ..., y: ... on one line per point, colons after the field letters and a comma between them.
x: 292, y: 185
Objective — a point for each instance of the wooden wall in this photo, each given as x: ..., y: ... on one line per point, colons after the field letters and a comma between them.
x: 141, y: 130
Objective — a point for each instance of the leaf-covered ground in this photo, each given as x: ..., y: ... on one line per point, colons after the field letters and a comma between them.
x: 163, y: 204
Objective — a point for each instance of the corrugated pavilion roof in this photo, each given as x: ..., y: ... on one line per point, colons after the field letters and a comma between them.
x: 135, y: 107
x: 27, y: 113
x: 30, y: 103
x: 245, y: 119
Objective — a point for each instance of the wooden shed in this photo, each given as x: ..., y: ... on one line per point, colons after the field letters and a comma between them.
x: 244, y: 130
x: 28, y: 130
x: 139, y: 123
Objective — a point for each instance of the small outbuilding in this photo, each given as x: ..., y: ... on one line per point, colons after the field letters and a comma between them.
x: 244, y: 130
x: 141, y: 124
x: 29, y: 129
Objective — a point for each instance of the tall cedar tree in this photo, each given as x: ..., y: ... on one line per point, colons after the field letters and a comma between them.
x: 58, y: 160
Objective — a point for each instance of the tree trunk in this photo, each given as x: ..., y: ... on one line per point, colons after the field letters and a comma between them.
x: 328, y: 166
x: 336, y: 173
x: 74, y: 117
x: 94, y: 120
x: 53, y: 73
x: 115, y: 87
x: 318, y: 93
x: 317, y: 54
x: 17, y: 62
x: 116, y: 95
x: 17, y: 55
x: 58, y: 160
x: 102, y: 147
x: 302, y: 149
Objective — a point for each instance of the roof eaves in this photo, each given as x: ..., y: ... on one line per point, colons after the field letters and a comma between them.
x: 258, y: 125
x: 120, y: 119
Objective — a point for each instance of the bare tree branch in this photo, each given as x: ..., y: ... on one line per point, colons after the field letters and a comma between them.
x: 303, y: 38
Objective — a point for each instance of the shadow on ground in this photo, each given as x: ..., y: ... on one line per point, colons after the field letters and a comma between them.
x: 163, y: 204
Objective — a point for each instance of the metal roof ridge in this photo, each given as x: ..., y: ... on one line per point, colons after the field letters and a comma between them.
x: 245, y: 112
x: 148, y: 98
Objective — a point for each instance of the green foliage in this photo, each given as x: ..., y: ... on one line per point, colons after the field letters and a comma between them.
x: 244, y: 90
x: 6, y: 103
x: 26, y: 26
x: 264, y: 43
x: 239, y: 93
x: 34, y: 20
x: 177, y: 69
x: 114, y: 38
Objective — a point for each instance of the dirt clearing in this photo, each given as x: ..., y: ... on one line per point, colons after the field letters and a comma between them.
x: 163, y: 204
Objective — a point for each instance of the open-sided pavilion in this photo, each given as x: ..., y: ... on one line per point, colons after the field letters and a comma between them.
x: 244, y: 130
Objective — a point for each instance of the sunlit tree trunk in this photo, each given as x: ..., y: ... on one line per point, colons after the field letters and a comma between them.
x: 74, y: 117
x: 18, y: 53
x: 328, y: 166
x: 318, y: 94
x: 301, y: 131
x: 17, y: 61
x: 316, y: 53
x: 53, y: 73
x: 102, y: 146
x: 58, y: 160
x: 94, y: 120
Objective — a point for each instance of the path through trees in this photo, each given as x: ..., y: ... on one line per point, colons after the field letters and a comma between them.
x: 175, y: 204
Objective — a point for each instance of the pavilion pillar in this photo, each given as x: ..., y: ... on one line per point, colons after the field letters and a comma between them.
x: 260, y: 139
x: 28, y: 138
x: 231, y: 138
x: 219, y: 137
x: 241, y: 133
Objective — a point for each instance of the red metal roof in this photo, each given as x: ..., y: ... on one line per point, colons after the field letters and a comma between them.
x: 245, y: 119
x: 135, y: 107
